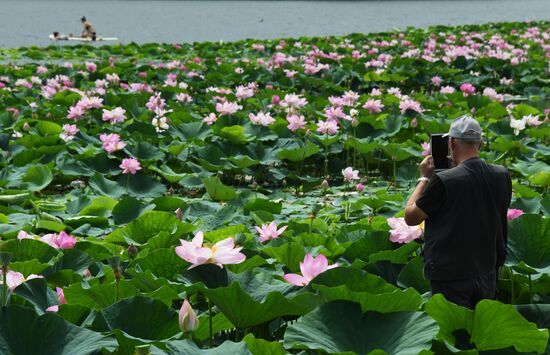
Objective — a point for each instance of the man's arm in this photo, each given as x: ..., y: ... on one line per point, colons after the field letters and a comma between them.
x: 413, y: 214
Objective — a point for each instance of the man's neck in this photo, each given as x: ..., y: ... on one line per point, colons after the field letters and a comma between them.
x: 463, y: 157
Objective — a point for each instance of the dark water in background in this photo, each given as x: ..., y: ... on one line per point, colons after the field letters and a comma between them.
x: 29, y: 22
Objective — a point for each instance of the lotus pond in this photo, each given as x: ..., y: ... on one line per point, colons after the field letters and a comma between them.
x: 245, y: 198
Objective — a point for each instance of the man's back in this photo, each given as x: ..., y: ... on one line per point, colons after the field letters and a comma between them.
x: 466, y: 232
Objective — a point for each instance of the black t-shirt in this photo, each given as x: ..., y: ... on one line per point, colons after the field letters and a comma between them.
x: 432, y: 198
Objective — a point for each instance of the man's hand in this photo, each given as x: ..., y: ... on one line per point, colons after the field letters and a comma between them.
x: 427, y: 167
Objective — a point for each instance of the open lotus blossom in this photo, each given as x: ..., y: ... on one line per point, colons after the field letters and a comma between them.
x: 447, y: 90
x: 221, y: 253
x: 467, y: 89
x: 436, y: 80
x: 188, y: 320
x: 513, y: 213
x: 426, y: 148
x: 269, y: 231
x: 262, y: 119
x: 160, y: 123
x: 293, y: 102
x: 295, y: 122
x: 227, y: 108
x: 373, y: 106
x: 401, y: 232
x: 61, y: 299
x: 531, y: 120
x: 410, y: 105
x: 517, y: 125
x: 349, y: 174
x: 115, y: 115
x: 14, y: 279
x: 69, y: 131
x: 59, y: 241
x: 130, y: 166
x: 111, y: 142
x: 76, y: 112
x: 310, y: 268
x: 210, y: 119
x: 329, y: 127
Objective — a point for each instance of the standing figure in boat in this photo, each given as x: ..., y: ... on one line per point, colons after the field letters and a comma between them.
x: 89, y: 30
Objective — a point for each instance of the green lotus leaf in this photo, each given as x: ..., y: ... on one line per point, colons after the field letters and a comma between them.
x: 98, y: 296
x: 100, y: 206
x: 249, y: 301
x: 139, y: 318
x: 412, y: 275
x: 105, y: 186
x: 299, y: 153
x: 217, y: 190
x: 370, y: 291
x: 187, y: 347
x: 261, y: 346
x: 29, y: 267
x: 128, y: 208
x: 29, y: 249
x: 162, y: 263
x: 19, y: 328
x: 219, y: 323
x: 528, y: 241
x: 37, y: 177
x: 37, y: 292
x: 538, y: 314
x: 142, y: 185
x: 340, y: 326
x: 146, y: 226
x: 513, y: 330
x: 289, y: 254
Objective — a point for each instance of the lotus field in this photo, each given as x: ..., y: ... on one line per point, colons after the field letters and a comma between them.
x: 247, y: 197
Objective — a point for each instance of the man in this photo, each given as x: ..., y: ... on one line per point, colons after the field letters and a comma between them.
x: 89, y: 30
x: 465, y: 211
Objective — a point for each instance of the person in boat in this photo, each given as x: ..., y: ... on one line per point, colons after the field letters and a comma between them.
x: 59, y: 36
x: 89, y: 30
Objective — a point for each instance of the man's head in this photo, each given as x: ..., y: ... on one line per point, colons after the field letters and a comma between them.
x: 465, y: 136
x: 83, y: 19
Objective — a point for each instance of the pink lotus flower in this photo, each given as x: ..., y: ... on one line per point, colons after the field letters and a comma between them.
x: 41, y: 69
x: 402, y: 233
x: 329, y: 127
x: 61, y: 300
x: 293, y: 102
x: 111, y: 142
x: 262, y: 119
x: 210, y: 119
x: 350, y: 98
x: 88, y: 102
x: 436, y: 80
x: 14, y: 279
x: 91, y: 67
x: 295, y: 122
x: 69, y: 131
x: 115, y: 115
x: 335, y: 113
x: 467, y: 89
x: 407, y: 104
x: 76, y: 112
x: 184, y: 98
x: 59, y: 241
x: 221, y: 253
x: 359, y: 187
x: 513, y: 213
x: 447, y: 90
x: 531, y: 120
x: 130, y: 166
x: 269, y: 231
x: 188, y: 320
x: 350, y: 175
x: 227, y: 108
x: 426, y: 148
x: 275, y: 100
x: 310, y: 268
x: 374, y: 106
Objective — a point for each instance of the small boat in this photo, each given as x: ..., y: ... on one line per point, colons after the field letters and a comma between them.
x: 62, y: 37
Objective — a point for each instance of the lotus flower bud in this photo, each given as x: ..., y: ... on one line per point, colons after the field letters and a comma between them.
x: 179, y: 214
x: 275, y: 99
x: 86, y: 273
x: 132, y: 251
x: 359, y: 187
x: 188, y: 320
x: 324, y: 184
x: 26, y: 126
x: 414, y: 123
